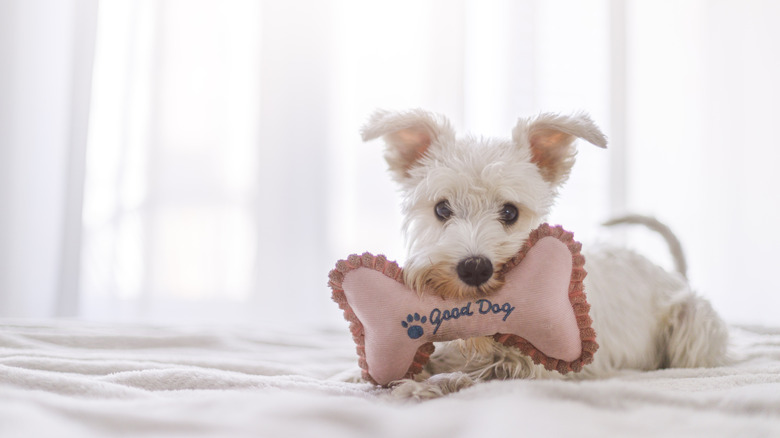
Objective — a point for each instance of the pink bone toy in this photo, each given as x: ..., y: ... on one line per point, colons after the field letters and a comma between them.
x: 541, y: 309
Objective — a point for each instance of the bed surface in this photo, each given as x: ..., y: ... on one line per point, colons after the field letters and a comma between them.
x: 73, y: 379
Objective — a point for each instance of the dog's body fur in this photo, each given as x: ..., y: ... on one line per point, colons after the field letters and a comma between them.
x: 468, y: 198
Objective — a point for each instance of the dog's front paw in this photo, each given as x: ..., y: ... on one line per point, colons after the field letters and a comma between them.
x: 436, y: 386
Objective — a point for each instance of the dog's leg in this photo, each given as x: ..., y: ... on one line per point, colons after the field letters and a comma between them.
x: 695, y: 336
x: 458, y: 365
x: 433, y: 387
x: 503, y: 363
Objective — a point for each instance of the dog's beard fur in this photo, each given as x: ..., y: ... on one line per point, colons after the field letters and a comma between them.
x: 432, y: 265
x: 441, y: 279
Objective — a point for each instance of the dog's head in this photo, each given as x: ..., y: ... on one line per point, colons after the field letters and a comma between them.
x: 470, y: 203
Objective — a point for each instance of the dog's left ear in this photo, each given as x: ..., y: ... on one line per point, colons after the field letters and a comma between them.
x: 550, y: 138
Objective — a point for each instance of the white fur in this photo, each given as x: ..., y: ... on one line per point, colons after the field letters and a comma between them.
x: 645, y: 317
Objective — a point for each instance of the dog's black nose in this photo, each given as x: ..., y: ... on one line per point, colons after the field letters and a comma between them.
x: 475, y: 271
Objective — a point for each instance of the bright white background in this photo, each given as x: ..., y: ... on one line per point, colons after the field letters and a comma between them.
x: 199, y: 160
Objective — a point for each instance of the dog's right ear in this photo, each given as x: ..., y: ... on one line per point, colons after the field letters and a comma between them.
x: 408, y: 135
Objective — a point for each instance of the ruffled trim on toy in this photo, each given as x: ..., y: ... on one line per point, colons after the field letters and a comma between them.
x: 390, y: 269
x: 577, y: 298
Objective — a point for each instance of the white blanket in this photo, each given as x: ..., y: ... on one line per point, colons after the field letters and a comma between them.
x: 68, y: 379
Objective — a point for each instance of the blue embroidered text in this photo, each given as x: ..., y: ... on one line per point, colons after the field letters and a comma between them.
x: 484, y: 307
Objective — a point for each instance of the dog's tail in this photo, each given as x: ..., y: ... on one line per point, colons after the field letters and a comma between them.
x: 659, y: 227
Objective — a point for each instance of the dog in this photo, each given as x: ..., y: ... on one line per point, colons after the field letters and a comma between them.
x: 469, y: 204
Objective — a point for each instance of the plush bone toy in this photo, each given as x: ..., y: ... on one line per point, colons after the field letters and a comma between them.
x: 541, y: 309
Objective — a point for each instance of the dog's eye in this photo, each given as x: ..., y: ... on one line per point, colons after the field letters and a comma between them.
x: 508, y: 214
x: 443, y: 211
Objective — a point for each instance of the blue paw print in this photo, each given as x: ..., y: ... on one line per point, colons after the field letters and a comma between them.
x: 414, y: 330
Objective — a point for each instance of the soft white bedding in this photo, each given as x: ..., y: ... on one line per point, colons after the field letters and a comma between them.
x: 69, y: 379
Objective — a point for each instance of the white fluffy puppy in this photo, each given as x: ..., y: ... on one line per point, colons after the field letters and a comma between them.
x: 469, y: 204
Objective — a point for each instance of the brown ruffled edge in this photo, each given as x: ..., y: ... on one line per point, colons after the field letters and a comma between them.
x: 391, y: 270
x: 422, y: 356
x: 577, y: 298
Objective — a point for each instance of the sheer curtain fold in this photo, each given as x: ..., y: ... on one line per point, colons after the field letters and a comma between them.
x: 46, y: 52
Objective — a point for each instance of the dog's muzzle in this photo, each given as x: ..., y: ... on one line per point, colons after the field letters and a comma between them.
x: 475, y: 271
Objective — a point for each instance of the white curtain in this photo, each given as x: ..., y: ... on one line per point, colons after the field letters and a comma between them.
x: 224, y: 173
x: 46, y: 54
